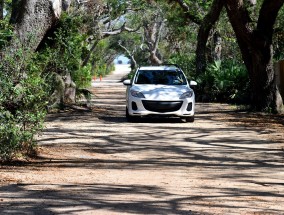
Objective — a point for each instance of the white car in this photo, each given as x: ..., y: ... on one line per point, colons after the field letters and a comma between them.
x: 160, y: 90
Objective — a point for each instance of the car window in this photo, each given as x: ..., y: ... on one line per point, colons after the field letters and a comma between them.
x: 165, y: 77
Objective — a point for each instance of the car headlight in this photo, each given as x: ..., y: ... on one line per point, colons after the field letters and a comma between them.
x: 187, y: 94
x: 137, y: 94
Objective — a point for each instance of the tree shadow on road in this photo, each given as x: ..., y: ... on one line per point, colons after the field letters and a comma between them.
x: 93, y: 198
x: 74, y: 199
x: 216, y: 151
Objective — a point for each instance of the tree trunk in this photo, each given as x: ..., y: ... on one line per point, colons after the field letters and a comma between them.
x: 203, y: 34
x: 152, y: 34
x: 217, y: 53
x: 154, y: 59
x: 1, y: 9
x: 87, y: 58
x: 32, y: 19
x: 257, y: 51
x: 265, y: 94
x: 130, y: 54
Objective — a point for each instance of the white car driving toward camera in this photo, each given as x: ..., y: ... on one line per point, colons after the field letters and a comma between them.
x: 160, y: 90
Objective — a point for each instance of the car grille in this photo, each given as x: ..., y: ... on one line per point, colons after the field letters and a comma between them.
x: 162, y: 106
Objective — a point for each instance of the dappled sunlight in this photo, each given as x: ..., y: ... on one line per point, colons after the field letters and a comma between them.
x: 100, y: 197
x: 102, y: 164
x: 204, y: 153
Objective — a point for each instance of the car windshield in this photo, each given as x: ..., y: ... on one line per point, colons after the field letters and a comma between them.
x: 164, y: 77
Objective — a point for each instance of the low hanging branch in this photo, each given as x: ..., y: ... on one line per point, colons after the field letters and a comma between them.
x: 123, y: 28
x: 106, y: 34
x: 152, y: 35
x: 130, y: 54
x: 87, y: 58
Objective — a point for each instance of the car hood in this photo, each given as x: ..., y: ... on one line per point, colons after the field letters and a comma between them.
x: 161, y: 92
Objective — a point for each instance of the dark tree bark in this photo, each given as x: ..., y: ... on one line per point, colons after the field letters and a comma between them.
x: 16, y: 5
x: 205, y: 27
x: 257, y: 51
x: 203, y: 34
x: 87, y: 58
x: 1, y: 9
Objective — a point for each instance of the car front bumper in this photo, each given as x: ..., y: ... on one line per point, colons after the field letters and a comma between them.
x: 143, y: 107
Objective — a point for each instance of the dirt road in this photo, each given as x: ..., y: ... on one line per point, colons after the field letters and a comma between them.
x: 94, y: 162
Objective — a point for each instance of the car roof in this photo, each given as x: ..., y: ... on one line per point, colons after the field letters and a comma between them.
x: 166, y: 67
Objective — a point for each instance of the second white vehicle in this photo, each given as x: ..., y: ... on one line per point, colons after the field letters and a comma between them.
x: 160, y: 90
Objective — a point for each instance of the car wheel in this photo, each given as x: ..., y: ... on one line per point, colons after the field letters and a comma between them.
x: 129, y: 117
x: 189, y: 119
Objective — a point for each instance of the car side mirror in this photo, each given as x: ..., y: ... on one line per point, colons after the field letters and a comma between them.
x: 192, y: 83
x: 127, y: 82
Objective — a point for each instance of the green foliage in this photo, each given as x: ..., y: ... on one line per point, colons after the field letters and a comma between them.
x: 225, y: 81
x: 103, y: 62
x: 102, y: 69
x: 22, y: 104
x: 278, y: 40
x: 65, y: 51
x: 130, y: 75
x: 6, y: 32
x: 186, y: 62
x: 82, y: 76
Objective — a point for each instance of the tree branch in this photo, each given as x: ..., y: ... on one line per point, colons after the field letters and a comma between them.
x: 86, y: 60
x: 118, y: 31
x: 267, y: 16
x: 158, y: 35
x: 188, y: 12
x: 239, y: 18
x: 203, y: 34
x: 131, y: 55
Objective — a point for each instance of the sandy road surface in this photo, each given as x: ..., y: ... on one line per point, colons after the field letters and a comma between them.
x: 97, y: 163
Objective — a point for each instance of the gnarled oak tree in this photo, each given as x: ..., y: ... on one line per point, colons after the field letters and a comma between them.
x: 254, y: 40
x: 256, y: 47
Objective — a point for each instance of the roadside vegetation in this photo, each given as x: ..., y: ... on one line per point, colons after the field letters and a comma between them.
x: 53, y: 67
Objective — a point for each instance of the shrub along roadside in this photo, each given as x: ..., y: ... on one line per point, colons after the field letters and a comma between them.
x: 224, y: 81
x: 5, y: 32
x: 22, y: 104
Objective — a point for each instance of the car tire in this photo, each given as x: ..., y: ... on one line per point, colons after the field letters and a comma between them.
x: 189, y: 119
x: 129, y: 117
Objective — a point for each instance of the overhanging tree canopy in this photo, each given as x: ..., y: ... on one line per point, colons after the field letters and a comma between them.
x: 254, y: 40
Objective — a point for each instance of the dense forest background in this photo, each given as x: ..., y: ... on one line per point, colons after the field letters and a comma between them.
x: 50, y: 51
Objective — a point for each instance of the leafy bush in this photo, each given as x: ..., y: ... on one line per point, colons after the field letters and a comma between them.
x: 5, y: 32
x: 225, y: 81
x: 82, y: 77
x: 64, y: 50
x: 186, y: 62
x: 102, y: 69
x: 22, y: 104
x: 103, y: 61
x: 61, y: 56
